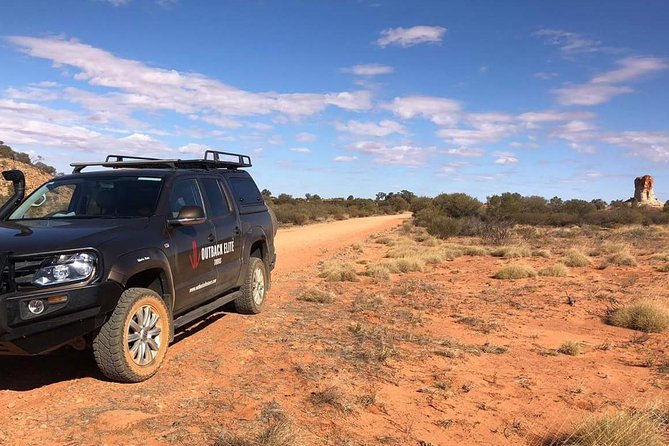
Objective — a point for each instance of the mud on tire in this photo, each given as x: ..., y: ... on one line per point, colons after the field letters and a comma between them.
x: 254, y: 289
x: 131, y: 345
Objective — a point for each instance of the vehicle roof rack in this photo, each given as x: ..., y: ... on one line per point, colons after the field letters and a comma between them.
x: 213, y: 159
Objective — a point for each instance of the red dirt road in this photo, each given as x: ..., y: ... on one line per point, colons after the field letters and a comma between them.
x: 209, y: 380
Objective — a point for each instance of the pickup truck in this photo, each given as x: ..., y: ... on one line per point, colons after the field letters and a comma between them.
x: 116, y: 258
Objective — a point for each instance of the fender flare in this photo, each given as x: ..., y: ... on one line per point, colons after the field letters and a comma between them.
x: 135, y: 262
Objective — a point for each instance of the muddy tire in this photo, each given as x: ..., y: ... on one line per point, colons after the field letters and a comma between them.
x: 254, y: 288
x: 131, y: 345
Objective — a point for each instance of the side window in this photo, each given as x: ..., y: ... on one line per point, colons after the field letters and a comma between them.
x: 245, y: 191
x: 218, y: 204
x: 184, y: 193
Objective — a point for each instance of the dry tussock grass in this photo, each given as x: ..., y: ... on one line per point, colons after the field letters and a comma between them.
x: 575, y: 258
x: 514, y: 272
x: 571, y: 348
x: 339, y: 272
x: 511, y: 252
x: 647, y: 315
x: 621, y: 428
x: 622, y: 258
x: 317, y: 295
x: 279, y: 433
x: 557, y: 270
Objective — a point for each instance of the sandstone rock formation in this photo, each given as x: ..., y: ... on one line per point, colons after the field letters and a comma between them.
x: 644, y: 195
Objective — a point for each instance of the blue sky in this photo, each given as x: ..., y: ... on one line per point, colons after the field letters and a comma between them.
x: 564, y: 98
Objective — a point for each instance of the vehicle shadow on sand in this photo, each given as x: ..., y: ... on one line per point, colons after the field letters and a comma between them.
x: 22, y: 373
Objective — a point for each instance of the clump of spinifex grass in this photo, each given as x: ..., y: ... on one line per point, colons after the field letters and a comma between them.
x: 571, y: 348
x: 575, y: 258
x: 317, y: 295
x: 646, y: 315
x: 339, y: 272
x: 622, y: 258
x: 511, y: 252
x: 620, y: 428
x: 514, y: 272
x: 557, y: 270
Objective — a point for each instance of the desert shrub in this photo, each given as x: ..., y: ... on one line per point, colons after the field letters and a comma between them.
x: 317, y: 295
x: 496, y: 232
x: 443, y: 227
x: 620, y: 428
x: 608, y: 248
x: 457, y: 205
x: 661, y: 257
x: 575, y: 258
x: 571, y: 348
x: 452, y: 252
x: 513, y: 272
x: 511, y: 252
x: 339, y: 272
x: 622, y: 259
x: 557, y: 270
x: 645, y: 315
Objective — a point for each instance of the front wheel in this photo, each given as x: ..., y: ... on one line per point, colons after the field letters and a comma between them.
x: 254, y: 288
x: 132, y: 344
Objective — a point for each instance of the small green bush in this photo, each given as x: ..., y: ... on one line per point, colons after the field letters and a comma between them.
x: 513, y: 272
x: 557, y: 270
x: 443, y: 227
x: 645, y: 315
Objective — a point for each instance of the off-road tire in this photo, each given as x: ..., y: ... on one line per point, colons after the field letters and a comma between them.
x: 111, y: 345
x: 248, y: 303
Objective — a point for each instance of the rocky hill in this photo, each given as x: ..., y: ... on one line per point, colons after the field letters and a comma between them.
x: 34, y: 177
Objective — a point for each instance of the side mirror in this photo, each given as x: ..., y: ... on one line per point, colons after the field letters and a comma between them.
x: 188, y: 216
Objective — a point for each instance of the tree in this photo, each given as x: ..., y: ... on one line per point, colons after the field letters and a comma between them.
x: 266, y: 194
x: 380, y: 196
x: 599, y: 204
x: 457, y: 205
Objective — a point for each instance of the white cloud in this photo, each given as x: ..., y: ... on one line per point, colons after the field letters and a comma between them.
x: 467, y: 152
x: 487, y: 128
x: 578, y: 134
x: 505, y: 158
x: 569, y: 43
x: 650, y: 145
x: 345, y: 159
x: 533, y: 119
x: 300, y: 149
x: 453, y: 167
x: 406, y: 37
x: 405, y: 154
x: 383, y: 128
x: 605, y: 86
x: 141, y: 87
x: 305, y: 137
x: 441, y: 111
x: 368, y: 70
x: 196, y: 149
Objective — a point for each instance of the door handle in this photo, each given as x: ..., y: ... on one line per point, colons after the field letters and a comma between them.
x: 211, y: 238
x: 237, y: 231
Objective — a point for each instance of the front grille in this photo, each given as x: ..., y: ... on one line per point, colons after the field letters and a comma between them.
x: 24, y: 271
x: 4, y: 273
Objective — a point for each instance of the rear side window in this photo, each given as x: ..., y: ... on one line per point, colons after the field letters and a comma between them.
x: 218, y: 204
x: 245, y: 191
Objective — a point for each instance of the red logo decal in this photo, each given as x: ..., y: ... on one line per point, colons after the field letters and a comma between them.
x: 195, y: 258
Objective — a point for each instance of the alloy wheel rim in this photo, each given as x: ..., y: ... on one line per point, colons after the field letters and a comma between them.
x: 144, y: 335
x: 258, y: 286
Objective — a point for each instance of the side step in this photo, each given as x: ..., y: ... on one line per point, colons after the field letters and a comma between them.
x: 204, y: 309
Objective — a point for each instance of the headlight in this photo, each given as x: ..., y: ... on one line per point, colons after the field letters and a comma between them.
x: 66, y: 268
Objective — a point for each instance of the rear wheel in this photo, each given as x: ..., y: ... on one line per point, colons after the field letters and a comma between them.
x: 254, y: 288
x: 132, y: 344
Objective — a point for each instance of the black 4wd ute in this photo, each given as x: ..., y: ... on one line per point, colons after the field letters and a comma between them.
x: 119, y: 257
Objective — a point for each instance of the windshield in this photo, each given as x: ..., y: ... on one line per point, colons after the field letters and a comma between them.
x: 127, y: 196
